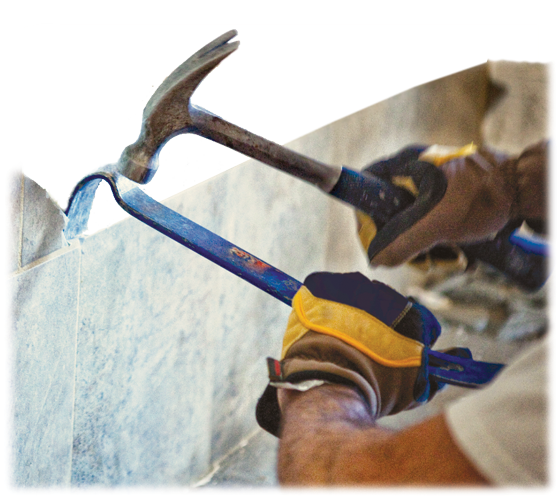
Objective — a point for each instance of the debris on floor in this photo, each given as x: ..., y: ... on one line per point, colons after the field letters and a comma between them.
x: 484, y: 302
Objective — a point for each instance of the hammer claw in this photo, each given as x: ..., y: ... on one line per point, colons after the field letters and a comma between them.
x: 166, y: 113
x: 218, y: 42
x: 195, y: 68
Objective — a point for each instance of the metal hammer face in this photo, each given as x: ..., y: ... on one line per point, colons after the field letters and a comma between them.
x: 170, y: 112
x: 167, y: 112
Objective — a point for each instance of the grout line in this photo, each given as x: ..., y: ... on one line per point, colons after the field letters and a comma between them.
x: 218, y: 463
x: 72, y: 422
x: 74, y: 244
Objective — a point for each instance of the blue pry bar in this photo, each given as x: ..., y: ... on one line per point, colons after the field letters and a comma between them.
x: 184, y: 231
x: 451, y: 370
x: 535, y: 246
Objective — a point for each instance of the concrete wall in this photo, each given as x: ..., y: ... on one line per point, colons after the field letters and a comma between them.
x: 136, y: 362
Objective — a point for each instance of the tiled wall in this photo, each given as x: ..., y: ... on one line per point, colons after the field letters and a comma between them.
x: 136, y: 362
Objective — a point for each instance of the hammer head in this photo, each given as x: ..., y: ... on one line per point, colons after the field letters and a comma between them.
x: 167, y: 112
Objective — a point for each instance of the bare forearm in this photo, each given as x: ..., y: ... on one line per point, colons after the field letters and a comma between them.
x: 321, y: 438
x: 329, y: 438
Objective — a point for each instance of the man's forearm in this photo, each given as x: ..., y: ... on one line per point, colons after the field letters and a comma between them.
x: 319, y: 429
x: 328, y: 437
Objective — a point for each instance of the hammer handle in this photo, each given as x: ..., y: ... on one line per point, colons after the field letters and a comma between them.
x: 210, y: 126
x: 376, y: 197
x: 529, y: 270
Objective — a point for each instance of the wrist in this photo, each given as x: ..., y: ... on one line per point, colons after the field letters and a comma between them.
x: 319, y: 406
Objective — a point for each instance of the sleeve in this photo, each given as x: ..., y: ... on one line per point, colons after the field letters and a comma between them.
x: 502, y: 428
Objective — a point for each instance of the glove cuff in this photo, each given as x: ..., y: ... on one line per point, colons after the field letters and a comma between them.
x: 268, y: 411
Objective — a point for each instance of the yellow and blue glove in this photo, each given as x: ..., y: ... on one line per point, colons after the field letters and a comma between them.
x: 346, y: 329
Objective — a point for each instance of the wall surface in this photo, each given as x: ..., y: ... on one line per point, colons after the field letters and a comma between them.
x: 137, y: 362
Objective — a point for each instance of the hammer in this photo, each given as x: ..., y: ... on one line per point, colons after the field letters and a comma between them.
x: 170, y: 112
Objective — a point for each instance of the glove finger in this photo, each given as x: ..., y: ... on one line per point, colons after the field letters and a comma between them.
x: 379, y: 300
x: 355, y: 289
x: 389, y: 167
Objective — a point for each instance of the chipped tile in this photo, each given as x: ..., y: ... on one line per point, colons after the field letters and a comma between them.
x: 43, y: 223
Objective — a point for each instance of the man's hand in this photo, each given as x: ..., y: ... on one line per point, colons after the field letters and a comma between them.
x: 485, y: 191
x: 348, y: 330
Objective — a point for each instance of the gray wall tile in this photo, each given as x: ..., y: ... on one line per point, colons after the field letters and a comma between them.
x: 44, y: 346
x: 144, y: 360
x: 251, y: 328
x: 143, y: 296
x: 270, y: 215
x: 15, y: 220
x: 277, y: 217
x: 43, y: 222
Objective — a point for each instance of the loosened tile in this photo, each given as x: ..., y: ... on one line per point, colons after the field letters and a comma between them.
x: 43, y: 223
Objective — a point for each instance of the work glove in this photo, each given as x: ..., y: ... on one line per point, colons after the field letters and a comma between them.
x: 348, y: 330
x: 485, y: 191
